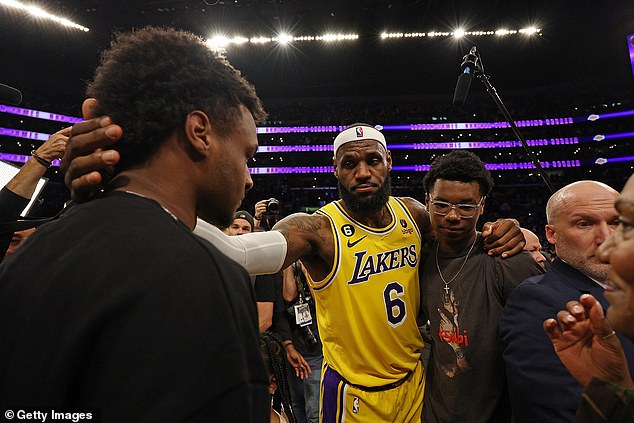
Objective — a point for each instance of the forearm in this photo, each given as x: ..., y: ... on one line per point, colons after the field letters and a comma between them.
x: 25, y: 181
x: 265, y: 315
x: 259, y: 253
x: 289, y: 289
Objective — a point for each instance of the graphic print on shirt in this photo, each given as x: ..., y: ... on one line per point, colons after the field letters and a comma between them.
x: 450, y: 332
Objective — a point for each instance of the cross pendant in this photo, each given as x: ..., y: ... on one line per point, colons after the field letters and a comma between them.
x: 446, y: 288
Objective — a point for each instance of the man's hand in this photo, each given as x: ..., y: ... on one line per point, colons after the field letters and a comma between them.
x: 55, y: 146
x: 85, y: 163
x: 260, y: 209
x: 302, y: 368
x: 587, y: 345
x: 503, y: 237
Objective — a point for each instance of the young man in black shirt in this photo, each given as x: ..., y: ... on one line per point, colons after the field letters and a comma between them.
x: 117, y: 308
x: 463, y: 292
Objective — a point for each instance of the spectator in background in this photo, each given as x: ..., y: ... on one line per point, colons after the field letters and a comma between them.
x: 17, y: 193
x: 264, y: 285
x: 586, y: 343
x: 134, y: 314
x: 580, y: 216
x: 242, y: 224
x: 534, y: 247
x: 301, y: 340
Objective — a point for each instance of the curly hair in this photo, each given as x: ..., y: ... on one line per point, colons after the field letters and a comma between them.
x: 459, y: 165
x: 151, y: 78
x: 274, y: 358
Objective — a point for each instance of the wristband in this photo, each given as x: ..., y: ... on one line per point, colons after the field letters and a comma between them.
x: 41, y: 160
x: 285, y: 344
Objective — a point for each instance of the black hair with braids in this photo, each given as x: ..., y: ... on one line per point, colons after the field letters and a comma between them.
x: 275, y: 361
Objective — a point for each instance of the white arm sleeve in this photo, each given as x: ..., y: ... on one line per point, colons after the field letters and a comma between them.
x: 259, y: 253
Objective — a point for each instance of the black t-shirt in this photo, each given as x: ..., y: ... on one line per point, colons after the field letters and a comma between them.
x: 465, y: 379
x: 265, y: 287
x: 119, y: 307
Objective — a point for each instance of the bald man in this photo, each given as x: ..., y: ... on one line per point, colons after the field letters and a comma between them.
x: 533, y: 246
x: 580, y: 217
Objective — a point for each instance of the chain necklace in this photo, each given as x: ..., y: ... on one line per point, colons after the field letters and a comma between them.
x: 446, y: 288
x: 163, y: 207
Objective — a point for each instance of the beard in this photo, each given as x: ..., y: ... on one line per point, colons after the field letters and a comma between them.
x: 368, y: 203
x: 590, y: 266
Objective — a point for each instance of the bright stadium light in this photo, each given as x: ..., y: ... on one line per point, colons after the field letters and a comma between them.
x: 260, y: 40
x: 43, y: 14
x: 530, y: 30
x: 459, y: 33
x: 284, y: 38
x: 218, y: 41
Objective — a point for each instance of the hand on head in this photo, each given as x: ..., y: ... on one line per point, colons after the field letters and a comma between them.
x: 86, y: 164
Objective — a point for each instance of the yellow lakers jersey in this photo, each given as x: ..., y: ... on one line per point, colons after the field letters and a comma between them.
x: 368, y: 303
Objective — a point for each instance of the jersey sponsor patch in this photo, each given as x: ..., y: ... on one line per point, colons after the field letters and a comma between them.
x: 347, y: 230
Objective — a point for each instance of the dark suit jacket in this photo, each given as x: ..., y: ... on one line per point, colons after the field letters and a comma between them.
x: 540, y: 387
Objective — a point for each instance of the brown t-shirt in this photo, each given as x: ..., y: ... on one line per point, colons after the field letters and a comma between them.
x: 465, y: 375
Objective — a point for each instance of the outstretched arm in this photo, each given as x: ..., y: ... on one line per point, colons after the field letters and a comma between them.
x: 587, y: 345
x: 25, y: 181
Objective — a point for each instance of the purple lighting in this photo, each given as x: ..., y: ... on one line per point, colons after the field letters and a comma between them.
x: 620, y: 135
x: 20, y: 158
x: 24, y: 134
x: 630, y: 46
x: 38, y: 114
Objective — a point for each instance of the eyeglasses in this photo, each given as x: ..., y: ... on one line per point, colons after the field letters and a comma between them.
x: 466, y: 211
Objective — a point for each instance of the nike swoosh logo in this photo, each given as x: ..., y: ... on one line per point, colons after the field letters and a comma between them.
x: 352, y: 244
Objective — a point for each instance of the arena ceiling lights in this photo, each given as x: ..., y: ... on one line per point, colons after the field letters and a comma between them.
x: 223, y: 41
x: 42, y: 14
x: 460, y: 33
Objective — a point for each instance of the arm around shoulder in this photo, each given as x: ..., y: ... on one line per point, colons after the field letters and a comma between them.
x: 259, y: 253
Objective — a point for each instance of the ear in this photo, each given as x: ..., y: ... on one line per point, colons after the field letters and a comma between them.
x: 388, y: 158
x: 334, y: 166
x: 427, y: 200
x: 272, y: 385
x: 198, y: 132
x: 551, y: 234
x: 482, y: 205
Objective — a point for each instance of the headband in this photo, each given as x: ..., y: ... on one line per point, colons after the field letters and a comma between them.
x: 358, y: 133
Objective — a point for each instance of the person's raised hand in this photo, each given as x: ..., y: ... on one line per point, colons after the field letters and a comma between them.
x: 55, y: 146
x: 586, y: 344
x: 503, y: 237
x: 86, y: 164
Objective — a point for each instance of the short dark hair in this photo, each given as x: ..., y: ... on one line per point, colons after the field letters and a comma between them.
x: 459, y: 165
x: 151, y: 78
